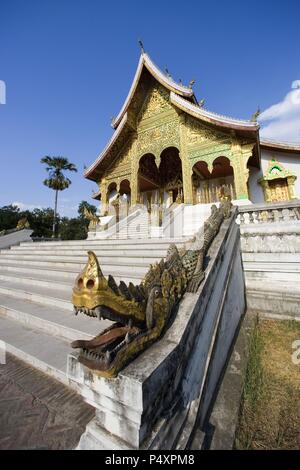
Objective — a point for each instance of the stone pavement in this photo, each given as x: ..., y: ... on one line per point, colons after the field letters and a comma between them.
x: 38, y: 412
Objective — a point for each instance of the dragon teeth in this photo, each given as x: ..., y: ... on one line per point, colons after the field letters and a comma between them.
x: 107, y: 357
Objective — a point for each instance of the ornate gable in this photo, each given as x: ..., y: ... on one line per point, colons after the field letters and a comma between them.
x: 157, y: 102
x: 276, y: 170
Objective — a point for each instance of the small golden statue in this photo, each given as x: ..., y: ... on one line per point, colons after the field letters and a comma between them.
x: 23, y: 224
x: 91, y: 217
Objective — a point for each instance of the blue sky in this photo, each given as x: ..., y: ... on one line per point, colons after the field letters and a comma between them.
x: 68, y: 65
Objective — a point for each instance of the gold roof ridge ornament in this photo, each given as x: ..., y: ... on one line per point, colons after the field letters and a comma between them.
x: 141, y: 312
x: 255, y: 115
x: 141, y: 46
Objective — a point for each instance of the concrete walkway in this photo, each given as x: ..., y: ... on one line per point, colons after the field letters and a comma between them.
x: 38, y: 412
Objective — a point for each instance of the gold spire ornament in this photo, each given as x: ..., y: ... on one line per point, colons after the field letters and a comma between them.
x: 255, y: 115
x: 141, y: 46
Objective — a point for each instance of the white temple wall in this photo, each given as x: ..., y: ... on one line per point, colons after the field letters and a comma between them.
x: 288, y: 160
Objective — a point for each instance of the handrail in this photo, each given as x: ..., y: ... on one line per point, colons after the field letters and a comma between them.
x: 285, y: 211
x: 117, y: 227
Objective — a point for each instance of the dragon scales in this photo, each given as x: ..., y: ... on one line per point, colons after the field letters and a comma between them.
x: 141, y: 312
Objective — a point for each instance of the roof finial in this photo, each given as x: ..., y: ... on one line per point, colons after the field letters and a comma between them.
x: 255, y: 115
x: 141, y: 46
x: 180, y: 82
x: 192, y: 83
x: 167, y: 72
x: 201, y: 103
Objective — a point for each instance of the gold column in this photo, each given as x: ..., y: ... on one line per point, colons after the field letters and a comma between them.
x: 238, y: 161
x: 291, y: 186
x: 266, y: 190
x: 134, y: 177
x: 206, y: 191
x: 186, y: 167
x: 240, y: 181
x: 104, y: 201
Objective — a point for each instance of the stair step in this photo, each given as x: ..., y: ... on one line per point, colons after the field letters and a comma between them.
x: 34, y: 293
x: 41, y: 350
x: 104, y: 260
x: 57, y: 322
x: 55, y: 275
x: 109, y: 252
x: 42, y: 281
x: 122, y: 268
x: 86, y: 244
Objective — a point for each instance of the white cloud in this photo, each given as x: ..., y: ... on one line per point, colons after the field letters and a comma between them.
x: 66, y: 208
x: 26, y: 207
x: 283, y: 118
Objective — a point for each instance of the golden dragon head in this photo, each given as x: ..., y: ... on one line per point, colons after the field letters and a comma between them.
x: 139, y: 313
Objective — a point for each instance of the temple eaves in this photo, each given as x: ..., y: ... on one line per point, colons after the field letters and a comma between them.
x: 108, y: 146
x: 209, y: 116
x: 270, y: 144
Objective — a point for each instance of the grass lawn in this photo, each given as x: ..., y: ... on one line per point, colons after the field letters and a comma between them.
x: 270, y: 410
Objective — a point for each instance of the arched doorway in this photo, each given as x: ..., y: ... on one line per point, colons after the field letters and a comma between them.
x: 170, y: 174
x: 148, y: 181
x: 208, y: 186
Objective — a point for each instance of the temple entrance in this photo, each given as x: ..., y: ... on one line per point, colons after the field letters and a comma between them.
x: 208, y: 187
x: 170, y: 171
x: 148, y: 181
x: 160, y: 185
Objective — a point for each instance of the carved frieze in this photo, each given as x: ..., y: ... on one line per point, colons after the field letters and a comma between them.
x: 200, y: 135
x: 121, y: 166
x: 156, y: 103
x: 156, y: 139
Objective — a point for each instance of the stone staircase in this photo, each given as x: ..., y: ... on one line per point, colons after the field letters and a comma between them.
x: 139, y: 227
x: 36, y: 280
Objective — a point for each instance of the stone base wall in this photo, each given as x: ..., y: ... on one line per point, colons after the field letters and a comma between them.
x: 271, y: 258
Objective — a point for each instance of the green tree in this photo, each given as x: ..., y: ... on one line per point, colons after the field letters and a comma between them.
x: 40, y: 221
x: 9, y: 217
x: 57, y: 180
x: 72, y: 229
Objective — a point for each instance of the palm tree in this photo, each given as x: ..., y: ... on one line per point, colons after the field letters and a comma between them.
x: 57, y: 180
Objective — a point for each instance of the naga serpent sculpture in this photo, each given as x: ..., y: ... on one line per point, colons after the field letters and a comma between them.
x: 141, y: 312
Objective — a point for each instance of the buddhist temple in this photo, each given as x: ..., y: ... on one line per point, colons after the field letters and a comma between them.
x: 167, y: 149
